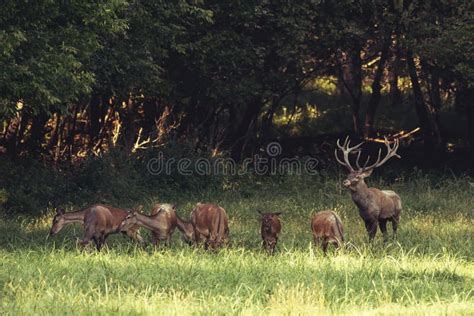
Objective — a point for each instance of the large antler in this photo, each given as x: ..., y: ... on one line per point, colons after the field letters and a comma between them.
x: 346, y: 150
x: 391, y: 152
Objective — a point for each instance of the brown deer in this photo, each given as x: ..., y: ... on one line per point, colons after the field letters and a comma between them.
x: 269, y: 230
x: 376, y: 207
x: 99, y: 222
x: 208, y: 224
x: 327, y: 229
x: 161, y: 222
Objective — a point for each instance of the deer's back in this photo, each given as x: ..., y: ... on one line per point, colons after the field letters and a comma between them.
x: 206, y: 218
x: 165, y: 220
x: 105, y: 217
x: 325, y: 224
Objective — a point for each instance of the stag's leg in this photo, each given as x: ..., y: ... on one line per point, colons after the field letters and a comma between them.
x: 98, y: 242
x: 325, y: 245
x: 371, y: 227
x: 318, y: 241
x: 395, y: 221
x: 226, y: 240
x: 383, y: 228
x: 207, y: 243
x: 89, y: 234
x: 155, y: 239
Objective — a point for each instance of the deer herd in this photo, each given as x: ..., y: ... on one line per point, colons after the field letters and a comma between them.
x: 209, y: 226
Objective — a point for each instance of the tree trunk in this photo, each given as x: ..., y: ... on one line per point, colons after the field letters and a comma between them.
x: 54, y: 134
x: 150, y: 110
x: 435, y: 100
x: 97, y: 112
x: 464, y: 101
x: 129, y: 128
x: 267, y: 120
x: 435, y: 94
x: 72, y: 131
x: 11, y: 136
x: 350, y: 83
x: 237, y: 138
x: 420, y: 106
x: 376, y: 87
x: 470, y: 126
x: 393, y: 74
x: 37, y: 133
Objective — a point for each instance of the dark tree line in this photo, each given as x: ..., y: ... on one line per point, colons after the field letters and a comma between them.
x: 80, y: 77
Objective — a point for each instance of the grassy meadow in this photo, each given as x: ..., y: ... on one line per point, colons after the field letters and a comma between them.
x: 427, y: 269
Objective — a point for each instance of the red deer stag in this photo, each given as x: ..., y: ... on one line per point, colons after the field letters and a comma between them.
x: 208, y: 224
x: 161, y: 222
x: 376, y: 207
x: 327, y: 228
x: 99, y: 221
x: 270, y: 229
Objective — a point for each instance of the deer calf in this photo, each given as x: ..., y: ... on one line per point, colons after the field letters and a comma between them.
x: 270, y: 229
x: 162, y: 222
x: 208, y: 224
x: 327, y: 229
x: 376, y: 207
x: 99, y: 222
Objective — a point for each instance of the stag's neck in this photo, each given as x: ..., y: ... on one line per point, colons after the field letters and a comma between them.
x: 185, y: 227
x: 146, y: 221
x: 361, y: 196
x: 74, y: 217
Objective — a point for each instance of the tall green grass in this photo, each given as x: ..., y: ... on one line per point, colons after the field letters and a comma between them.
x: 427, y: 269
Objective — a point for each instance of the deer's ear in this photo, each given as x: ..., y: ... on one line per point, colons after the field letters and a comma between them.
x: 277, y: 213
x: 60, y: 211
x: 174, y: 207
x: 367, y: 173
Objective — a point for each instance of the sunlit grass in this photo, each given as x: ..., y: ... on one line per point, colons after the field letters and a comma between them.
x: 427, y: 269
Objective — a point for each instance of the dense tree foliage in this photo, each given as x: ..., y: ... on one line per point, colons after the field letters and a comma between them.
x: 80, y: 77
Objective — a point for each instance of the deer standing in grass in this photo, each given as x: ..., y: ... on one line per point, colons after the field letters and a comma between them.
x: 376, y: 207
x: 269, y: 230
x: 99, y: 222
x: 161, y: 222
x: 208, y: 224
x: 327, y: 229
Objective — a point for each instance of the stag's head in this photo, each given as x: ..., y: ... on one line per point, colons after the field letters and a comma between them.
x: 130, y: 219
x: 359, y: 173
x: 58, y: 222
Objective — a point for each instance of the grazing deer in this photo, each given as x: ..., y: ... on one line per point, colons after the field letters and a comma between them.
x: 99, y: 221
x: 208, y: 224
x: 269, y: 230
x: 161, y: 222
x: 327, y: 228
x: 376, y: 207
